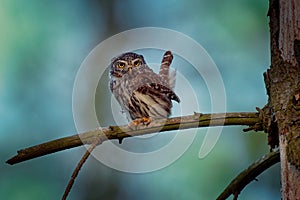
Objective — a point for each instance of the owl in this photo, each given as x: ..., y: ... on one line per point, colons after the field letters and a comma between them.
x: 142, y: 94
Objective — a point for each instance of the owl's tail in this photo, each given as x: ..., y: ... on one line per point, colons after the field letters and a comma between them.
x: 164, y: 71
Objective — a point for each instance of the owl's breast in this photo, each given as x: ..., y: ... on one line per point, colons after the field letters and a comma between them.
x: 122, y: 90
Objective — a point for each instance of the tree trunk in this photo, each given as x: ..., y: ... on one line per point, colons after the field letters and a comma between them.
x: 283, y: 87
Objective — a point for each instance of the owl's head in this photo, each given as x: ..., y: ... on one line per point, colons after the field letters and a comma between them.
x: 126, y: 63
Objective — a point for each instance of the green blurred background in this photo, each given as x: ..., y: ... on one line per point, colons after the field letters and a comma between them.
x: 42, y: 45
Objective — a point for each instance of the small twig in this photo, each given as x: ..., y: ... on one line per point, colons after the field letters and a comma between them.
x: 250, y: 174
x: 79, y: 166
x: 121, y: 132
x: 257, y: 126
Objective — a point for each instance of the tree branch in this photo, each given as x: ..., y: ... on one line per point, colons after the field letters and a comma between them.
x: 250, y: 174
x: 79, y: 166
x: 120, y: 132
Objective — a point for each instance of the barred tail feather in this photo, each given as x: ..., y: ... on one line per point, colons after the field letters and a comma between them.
x: 172, y: 79
x: 165, y: 66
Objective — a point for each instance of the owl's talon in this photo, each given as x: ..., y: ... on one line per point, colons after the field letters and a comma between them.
x: 146, y: 121
x: 135, y: 123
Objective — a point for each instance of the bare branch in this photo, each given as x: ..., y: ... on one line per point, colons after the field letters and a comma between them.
x: 250, y: 174
x: 121, y: 132
x: 79, y: 166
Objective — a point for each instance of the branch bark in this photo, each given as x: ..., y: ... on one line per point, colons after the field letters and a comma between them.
x: 120, y: 132
x: 250, y: 174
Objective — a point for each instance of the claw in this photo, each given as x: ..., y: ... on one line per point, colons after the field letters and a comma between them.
x: 144, y: 120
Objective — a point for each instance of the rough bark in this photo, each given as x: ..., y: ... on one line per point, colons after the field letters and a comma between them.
x: 283, y: 87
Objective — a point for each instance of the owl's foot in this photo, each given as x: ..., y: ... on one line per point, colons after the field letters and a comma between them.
x: 144, y: 121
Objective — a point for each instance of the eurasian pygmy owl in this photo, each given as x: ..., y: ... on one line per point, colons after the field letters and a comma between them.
x: 141, y: 92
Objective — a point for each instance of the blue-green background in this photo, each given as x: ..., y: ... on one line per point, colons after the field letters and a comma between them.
x: 43, y: 43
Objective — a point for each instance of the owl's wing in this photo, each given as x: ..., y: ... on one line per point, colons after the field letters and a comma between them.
x: 152, y: 100
x: 159, y: 91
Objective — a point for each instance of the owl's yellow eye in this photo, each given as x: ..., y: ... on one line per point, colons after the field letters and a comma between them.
x: 137, y: 63
x: 121, y: 65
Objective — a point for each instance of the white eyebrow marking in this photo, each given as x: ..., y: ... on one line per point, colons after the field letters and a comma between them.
x: 122, y: 61
x: 137, y: 59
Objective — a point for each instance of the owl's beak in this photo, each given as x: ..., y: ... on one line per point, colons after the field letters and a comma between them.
x: 130, y: 70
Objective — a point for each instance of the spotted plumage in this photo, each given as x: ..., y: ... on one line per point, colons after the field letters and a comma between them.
x: 141, y: 92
